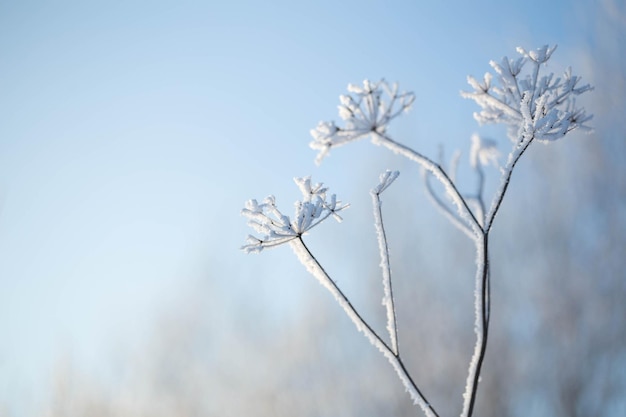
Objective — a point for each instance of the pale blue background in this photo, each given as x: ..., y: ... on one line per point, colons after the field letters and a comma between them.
x: 132, y: 132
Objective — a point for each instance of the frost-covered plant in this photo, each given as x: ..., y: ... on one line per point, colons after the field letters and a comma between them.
x: 277, y: 228
x: 533, y: 107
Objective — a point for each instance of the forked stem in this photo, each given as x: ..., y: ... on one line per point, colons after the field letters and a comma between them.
x: 438, y: 172
x: 313, y: 266
x: 482, y: 290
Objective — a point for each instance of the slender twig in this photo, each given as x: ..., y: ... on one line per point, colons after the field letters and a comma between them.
x: 496, y: 103
x: 481, y: 328
x: 383, y: 247
x: 535, y: 78
x: 504, y: 185
x: 453, y: 217
x: 438, y: 172
x: 479, y: 194
x: 313, y: 266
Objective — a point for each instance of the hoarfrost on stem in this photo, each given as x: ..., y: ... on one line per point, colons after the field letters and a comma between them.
x: 386, y: 179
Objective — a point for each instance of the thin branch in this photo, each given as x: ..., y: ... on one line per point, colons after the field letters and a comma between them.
x: 514, y: 156
x: 385, y: 265
x: 481, y: 326
x: 483, y: 287
x: 479, y: 193
x: 453, y: 217
x: 495, y: 102
x: 315, y: 269
x: 463, y: 209
x: 535, y: 78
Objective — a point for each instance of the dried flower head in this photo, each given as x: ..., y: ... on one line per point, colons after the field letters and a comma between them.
x: 277, y: 228
x: 532, y: 106
x: 369, y: 109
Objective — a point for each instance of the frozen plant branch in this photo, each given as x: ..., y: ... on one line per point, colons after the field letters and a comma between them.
x: 452, y: 216
x: 385, y: 181
x: 483, y: 152
x: 532, y: 105
x: 315, y: 269
x: 313, y: 209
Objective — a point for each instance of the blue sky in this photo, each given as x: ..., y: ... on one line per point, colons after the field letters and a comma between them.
x: 132, y: 132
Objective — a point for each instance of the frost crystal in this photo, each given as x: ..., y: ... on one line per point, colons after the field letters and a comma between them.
x: 277, y: 228
x: 369, y: 109
x: 532, y: 106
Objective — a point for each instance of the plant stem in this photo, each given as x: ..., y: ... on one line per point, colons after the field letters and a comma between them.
x: 383, y: 248
x: 483, y: 288
x: 482, y: 295
x: 504, y: 185
x: 313, y: 266
x: 438, y: 172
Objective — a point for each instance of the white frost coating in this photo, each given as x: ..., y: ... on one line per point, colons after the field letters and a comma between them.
x: 315, y: 269
x: 385, y: 181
